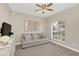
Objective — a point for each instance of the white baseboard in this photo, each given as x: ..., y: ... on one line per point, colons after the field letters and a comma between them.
x: 19, y: 43
x: 64, y: 46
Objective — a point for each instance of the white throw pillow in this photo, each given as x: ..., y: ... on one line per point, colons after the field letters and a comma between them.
x: 34, y: 36
x: 27, y: 36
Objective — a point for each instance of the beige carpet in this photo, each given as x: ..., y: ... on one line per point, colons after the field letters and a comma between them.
x: 49, y: 49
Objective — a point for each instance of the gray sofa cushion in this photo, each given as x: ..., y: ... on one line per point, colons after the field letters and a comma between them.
x: 34, y: 36
x: 26, y: 36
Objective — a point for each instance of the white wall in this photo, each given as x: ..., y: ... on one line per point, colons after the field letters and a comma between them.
x: 18, y: 24
x: 71, y: 18
x: 4, y: 13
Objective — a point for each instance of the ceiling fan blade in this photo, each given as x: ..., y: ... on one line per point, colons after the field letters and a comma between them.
x: 38, y: 5
x: 50, y: 4
x: 50, y: 9
x: 38, y: 10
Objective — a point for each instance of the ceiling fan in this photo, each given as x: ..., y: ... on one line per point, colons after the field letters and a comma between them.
x: 44, y: 7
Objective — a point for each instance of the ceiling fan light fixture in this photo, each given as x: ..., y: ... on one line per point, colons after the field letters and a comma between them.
x: 44, y: 7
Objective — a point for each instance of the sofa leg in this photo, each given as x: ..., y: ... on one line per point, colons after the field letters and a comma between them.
x: 23, y: 48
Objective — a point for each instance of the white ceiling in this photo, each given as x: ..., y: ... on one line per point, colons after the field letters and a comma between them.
x: 28, y: 8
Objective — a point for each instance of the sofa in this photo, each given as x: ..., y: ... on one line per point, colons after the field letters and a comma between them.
x: 32, y: 39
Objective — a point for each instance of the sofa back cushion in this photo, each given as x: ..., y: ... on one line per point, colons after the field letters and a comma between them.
x: 27, y: 36
x: 41, y: 36
x: 34, y: 36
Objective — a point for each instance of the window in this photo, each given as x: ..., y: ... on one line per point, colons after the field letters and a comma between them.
x: 58, y: 30
x: 32, y: 25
